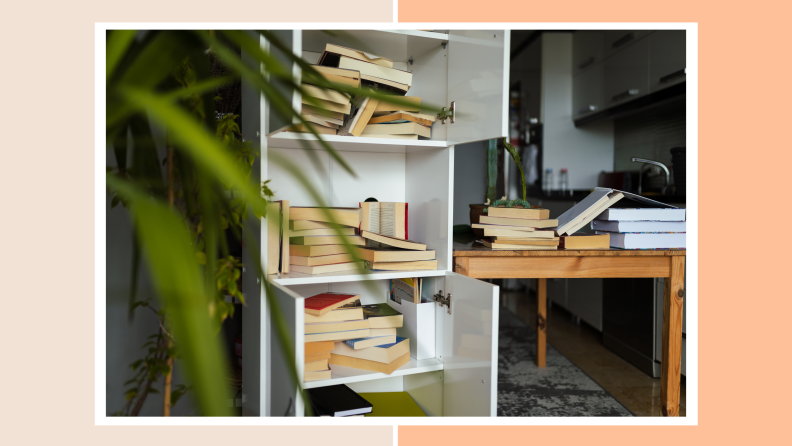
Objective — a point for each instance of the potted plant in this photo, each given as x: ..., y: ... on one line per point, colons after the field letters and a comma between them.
x: 477, y: 210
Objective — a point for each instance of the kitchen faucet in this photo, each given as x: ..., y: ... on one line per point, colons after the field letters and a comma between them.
x: 656, y: 163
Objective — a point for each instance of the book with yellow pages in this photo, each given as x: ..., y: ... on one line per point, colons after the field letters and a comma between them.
x: 324, y: 269
x: 326, y: 94
x: 316, y: 250
x: 418, y: 265
x: 547, y: 223
x: 320, y: 129
x: 384, y: 218
x: 315, y: 111
x: 587, y: 241
x: 327, y: 231
x: 531, y: 214
x: 342, y: 216
x: 403, y: 116
x: 330, y: 106
x: 333, y: 49
x: 407, y: 128
x: 301, y: 225
x: 372, y: 366
x: 338, y: 75
x: 359, y: 117
x: 327, y: 240
x: 516, y: 247
x: 390, y: 254
x: 339, y: 314
x: 538, y: 242
x: 386, y: 108
x: 321, y: 260
x: 392, y: 241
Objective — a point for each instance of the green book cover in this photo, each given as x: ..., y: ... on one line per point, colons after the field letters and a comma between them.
x: 378, y: 310
x: 392, y: 404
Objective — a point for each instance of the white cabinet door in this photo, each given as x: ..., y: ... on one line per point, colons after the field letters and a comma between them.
x: 627, y: 74
x: 587, y: 96
x: 279, y: 384
x: 469, y: 341
x: 666, y: 59
x: 478, y: 63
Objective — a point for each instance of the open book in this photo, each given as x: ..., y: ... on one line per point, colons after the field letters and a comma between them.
x: 386, y: 218
x: 597, y: 202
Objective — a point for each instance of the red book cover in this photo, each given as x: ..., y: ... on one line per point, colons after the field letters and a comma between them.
x: 322, y: 303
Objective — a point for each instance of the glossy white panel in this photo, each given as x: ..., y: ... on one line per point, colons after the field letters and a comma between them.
x: 290, y: 140
x: 428, y: 193
x: 430, y: 83
x: 470, y: 347
x: 346, y: 375
x: 379, y: 175
x: 395, y: 384
x: 427, y: 391
x: 477, y: 69
x: 283, y: 395
x: 314, y: 165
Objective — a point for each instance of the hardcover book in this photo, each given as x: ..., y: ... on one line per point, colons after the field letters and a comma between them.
x: 322, y: 303
x: 338, y: 401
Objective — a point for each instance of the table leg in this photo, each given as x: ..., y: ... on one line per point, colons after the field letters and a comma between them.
x: 671, y: 367
x: 541, y: 323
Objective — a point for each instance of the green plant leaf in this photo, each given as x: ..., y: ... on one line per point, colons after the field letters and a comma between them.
x: 166, y: 246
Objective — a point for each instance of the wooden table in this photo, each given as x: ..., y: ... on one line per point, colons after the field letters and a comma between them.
x: 475, y: 260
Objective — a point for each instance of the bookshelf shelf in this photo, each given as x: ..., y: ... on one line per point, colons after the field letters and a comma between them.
x: 348, y: 375
x: 291, y: 140
x: 290, y: 279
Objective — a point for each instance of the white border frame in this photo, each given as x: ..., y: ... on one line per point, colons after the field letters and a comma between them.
x: 691, y: 293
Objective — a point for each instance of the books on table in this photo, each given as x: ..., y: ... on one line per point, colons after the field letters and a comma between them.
x: 585, y: 241
x: 595, y: 204
x: 337, y: 401
x: 639, y: 226
x: 536, y: 242
x: 646, y: 240
x: 530, y: 223
x: 518, y: 247
x: 521, y: 213
x: 385, y: 218
x: 643, y: 214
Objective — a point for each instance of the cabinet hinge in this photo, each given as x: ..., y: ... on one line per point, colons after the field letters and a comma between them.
x: 444, y: 301
x: 449, y: 113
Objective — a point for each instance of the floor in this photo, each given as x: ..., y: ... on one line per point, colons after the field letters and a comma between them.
x: 582, y: 344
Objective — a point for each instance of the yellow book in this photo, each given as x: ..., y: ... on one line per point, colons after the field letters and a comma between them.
x: 372, y: 366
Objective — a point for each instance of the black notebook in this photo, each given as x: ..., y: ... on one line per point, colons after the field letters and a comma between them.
x: 337, y: 401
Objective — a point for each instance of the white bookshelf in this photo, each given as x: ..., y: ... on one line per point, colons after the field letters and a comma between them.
x: 468, y: 67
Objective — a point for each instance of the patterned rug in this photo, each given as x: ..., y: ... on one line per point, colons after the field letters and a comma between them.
x: 560, y: 389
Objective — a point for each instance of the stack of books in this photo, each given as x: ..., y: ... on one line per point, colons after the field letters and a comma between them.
x: 314, y: 246
x: 642, y: 228
x: 329, y: 317
x: 518, y: 229
x: 335, y: 112
x: 382, y: 252
x: 382, y: 351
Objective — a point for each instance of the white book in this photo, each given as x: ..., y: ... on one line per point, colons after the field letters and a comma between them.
x: 643, y: 214
x: 646, y: 240
x: 638, y: 226
x: 595, y: 204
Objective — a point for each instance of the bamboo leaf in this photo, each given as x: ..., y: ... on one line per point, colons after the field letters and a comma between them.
x: 165, y: 243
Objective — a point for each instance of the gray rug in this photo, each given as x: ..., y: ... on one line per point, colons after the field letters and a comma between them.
x: 560, y: 389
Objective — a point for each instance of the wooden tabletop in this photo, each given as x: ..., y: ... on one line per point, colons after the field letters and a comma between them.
x: 465, y: 246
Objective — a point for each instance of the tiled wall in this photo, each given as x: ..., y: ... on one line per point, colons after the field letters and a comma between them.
x: 650, y: 134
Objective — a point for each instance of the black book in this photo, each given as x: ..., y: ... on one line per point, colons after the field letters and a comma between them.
x: 338, y: 401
